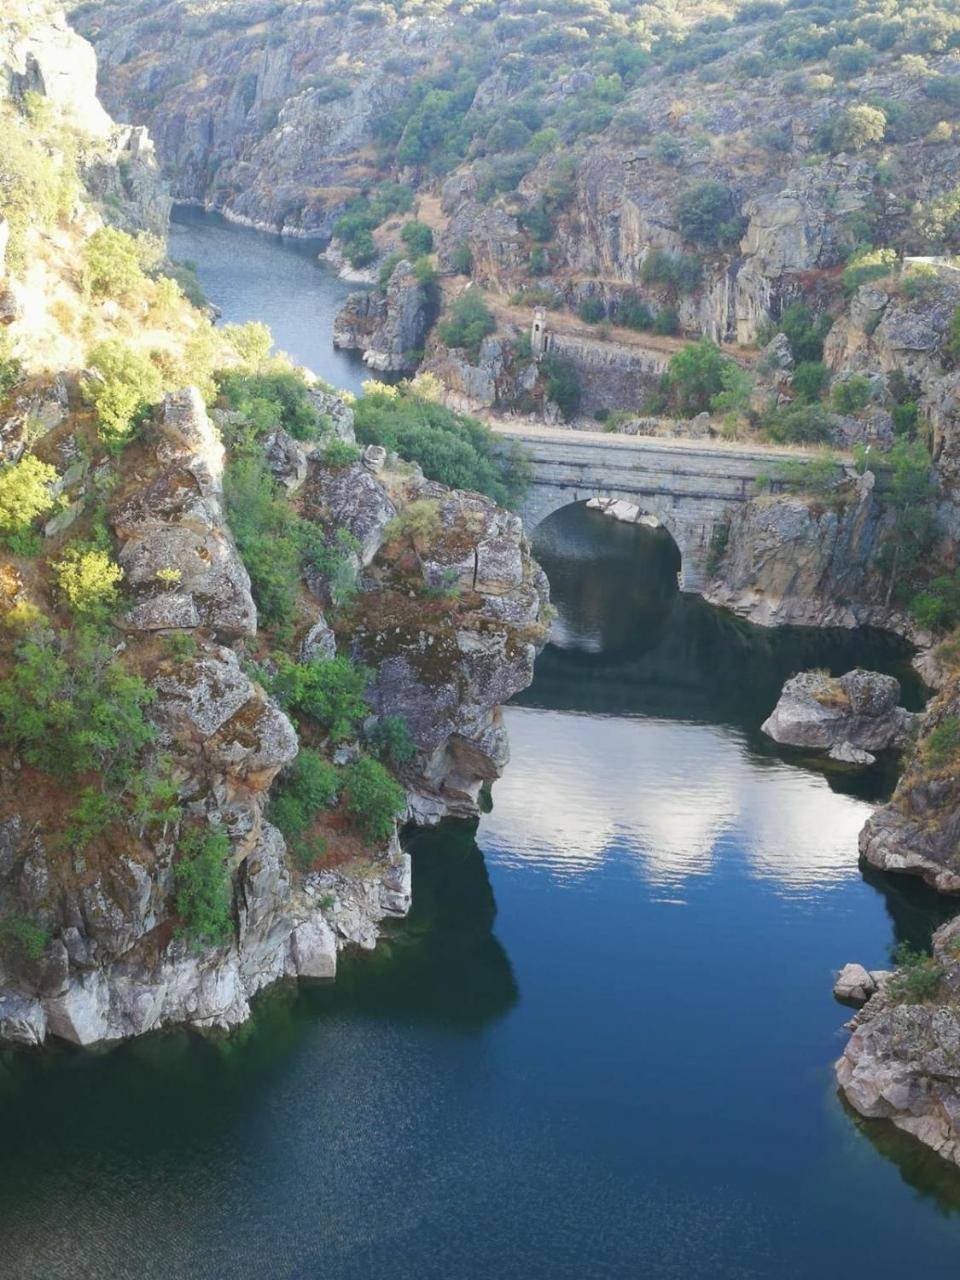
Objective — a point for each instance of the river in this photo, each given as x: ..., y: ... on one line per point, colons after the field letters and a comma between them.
x: 602, y: 1045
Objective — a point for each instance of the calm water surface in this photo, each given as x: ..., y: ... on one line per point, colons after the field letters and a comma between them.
x: 600, y: 1047
x: 254, y: 276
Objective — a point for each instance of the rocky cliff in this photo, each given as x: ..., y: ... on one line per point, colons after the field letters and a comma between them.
x: 208, y: 601
x: 901, y: 1062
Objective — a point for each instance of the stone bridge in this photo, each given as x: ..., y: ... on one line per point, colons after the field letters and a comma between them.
x: 692, y: 487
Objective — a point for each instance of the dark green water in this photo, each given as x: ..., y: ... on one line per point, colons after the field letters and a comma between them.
x: 600, y: 1047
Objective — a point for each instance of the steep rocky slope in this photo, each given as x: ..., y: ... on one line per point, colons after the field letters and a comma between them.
x: 198, y: 796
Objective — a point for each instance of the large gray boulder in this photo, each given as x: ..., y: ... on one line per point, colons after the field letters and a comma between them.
x: 859, y: 710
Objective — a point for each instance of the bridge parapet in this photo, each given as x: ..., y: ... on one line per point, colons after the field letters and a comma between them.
x: 691, y: 488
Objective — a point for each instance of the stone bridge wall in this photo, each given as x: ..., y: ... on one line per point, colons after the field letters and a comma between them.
x: 692, y: 490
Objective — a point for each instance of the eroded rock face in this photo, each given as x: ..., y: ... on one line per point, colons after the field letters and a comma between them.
x: 176, y: 550
x: 918, y: 832
x: 114, y: 967
x: 389, y: 327
x: 791, y: 561
x: 902, y: 1062
x: 857, y: 710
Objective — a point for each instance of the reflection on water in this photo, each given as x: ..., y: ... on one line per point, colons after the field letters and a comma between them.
x: 679, y: 797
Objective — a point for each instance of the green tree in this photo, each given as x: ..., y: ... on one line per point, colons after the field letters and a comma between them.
x: 332, y: 692
x: 707, y: 216
x: 374, y: 800
x: 24, y: 494
x: 909, y: 494
x: 112, y: 263
x: 418, y: 238
x: 124, y: 385
x: 736, y: 390
x: 68, y: 704
x: 809, y: 381
x: 89, y: 579
x: 694, y: 377
x: 468, y: 321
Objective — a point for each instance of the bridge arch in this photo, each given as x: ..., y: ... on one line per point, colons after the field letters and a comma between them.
x: 692, y: 537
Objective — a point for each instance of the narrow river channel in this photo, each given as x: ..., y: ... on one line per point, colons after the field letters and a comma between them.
x: 602, y: 1045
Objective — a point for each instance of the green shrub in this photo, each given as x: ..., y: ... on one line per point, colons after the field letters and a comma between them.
x: 125, y: 385
x: 390, y: 739
x: 905, y: 418
x: 817, y: 477
x: 917, y: 978
x: 462, y: 259
x: 332, y: 692
x: 562, y: 384
x: 937, y: 606
x: 11, y: 369
x: 374, y: 800
x: 851, y: 395
x: 468, y: 321
x: 418, y: 238
x: 252, y: 342
x: 24, y: 495
x: 592, y: 310
x: 112, y: 264
x: 706, y: 215
x: 452, y: 449
x: 311, y: 785
x: 871, y: 264
x: 89, y: 580
x: 68, y: 705
x: 809, y: 380
x: 23, y: 935
x: 275, y: 399
x: 93, y: 813
x: 679, y: 272
x: 633, y: 313
x: 798, y: 424
x: 340, y: 453
x: 852, y: 130
x: 940, y: 749
x: 667, y: 322
x: 693, y: 377
x: 203, y: 886
x: 387, y: 268
x: 804, y: 331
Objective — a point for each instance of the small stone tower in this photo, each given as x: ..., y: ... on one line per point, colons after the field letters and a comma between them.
x: 538, y: 333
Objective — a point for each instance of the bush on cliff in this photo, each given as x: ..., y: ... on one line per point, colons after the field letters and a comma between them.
x: 277, y: 399
x: 311, y: 785
x: 202, y: 885
x: 25, y: 494
x: 112, y: 264
x: 332, y: 692
x: 467, y: 322
x: 69, y: 705
x: 707, y: 216
x: 124, y: 386
x: 694, y: 376
x: 451, y: 449
x: 374, y: 800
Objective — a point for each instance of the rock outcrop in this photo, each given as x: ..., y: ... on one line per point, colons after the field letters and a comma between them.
x: 918, y: 832
x: 388, y: 327
x: 902, y: 1062
x: 175, y: 547
x: 857, y: 710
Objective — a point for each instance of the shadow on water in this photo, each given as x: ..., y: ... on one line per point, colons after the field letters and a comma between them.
x: 626, y: 642
x: 443, y: 964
